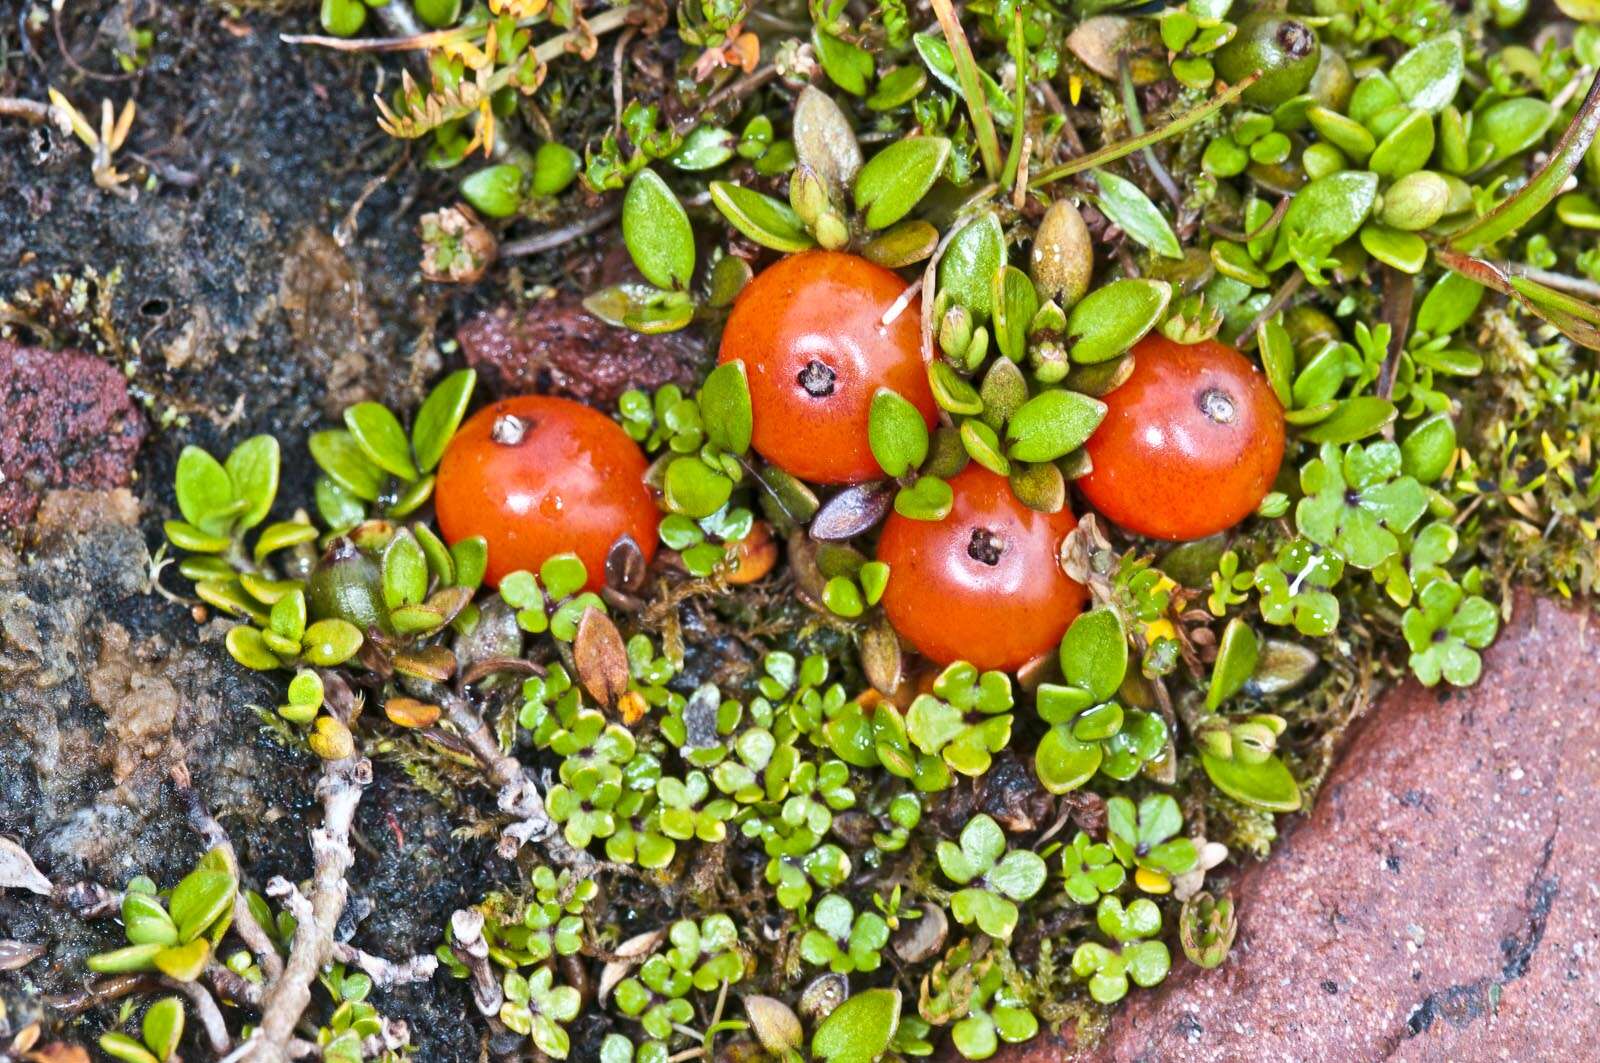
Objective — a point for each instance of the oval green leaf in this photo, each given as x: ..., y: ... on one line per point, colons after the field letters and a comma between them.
x: 656, y: 229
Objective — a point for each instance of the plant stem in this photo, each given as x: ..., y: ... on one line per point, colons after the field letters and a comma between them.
x: 1130, y: 106
x: 971, y: 86
x: 1112, y: 152
x: 1518, y: 208
x: 27, y: 110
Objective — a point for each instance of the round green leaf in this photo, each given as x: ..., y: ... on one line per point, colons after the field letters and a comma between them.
x: 330, y: 642
x: 656, y: 230
x: 930, y: 498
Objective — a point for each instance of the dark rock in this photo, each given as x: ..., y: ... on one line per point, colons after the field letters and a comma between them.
x: 556, y: 347
x: 1439, y: 900
x: 68, y: 423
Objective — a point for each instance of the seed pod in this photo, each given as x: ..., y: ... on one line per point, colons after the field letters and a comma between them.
x: 1063, y: 255
x: 1285, y: 50
x: 348, y: 585
x: 1415, y: 201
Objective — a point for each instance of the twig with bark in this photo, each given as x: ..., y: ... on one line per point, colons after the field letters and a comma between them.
x: 519, y: 795
x: 288, y: 996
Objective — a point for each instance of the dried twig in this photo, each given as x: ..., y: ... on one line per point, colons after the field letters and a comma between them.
x: 27, y: 110
x: 470, y: 947
x: 205, y: 1009
x: 519, y: 795
x: 244, y: 920
x: 386, y: 974
x: 554, y: 238
x: 286, y: 1000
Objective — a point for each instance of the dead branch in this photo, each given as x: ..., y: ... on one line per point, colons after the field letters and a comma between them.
x: 205, y: 1009
x: 386, y: 974
x: 286, y: 999
x: 519, y: 795
x: 472, y: 949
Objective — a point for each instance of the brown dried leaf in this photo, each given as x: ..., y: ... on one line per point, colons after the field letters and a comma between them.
x: 430, y: 662
x: 15, y: 955
x: 17, y: 871
x: 409, y: 712
x: 853, y: 511
x: 881, y: 658
x: 601, y: 658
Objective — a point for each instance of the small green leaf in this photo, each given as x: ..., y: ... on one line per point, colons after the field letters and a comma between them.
x: 1015, y: 302
x: 1236, y: 662
x: 163, y: 1027
x: 725, y: 407
x: 200, y: 900
x: 970, y: 262
x: 1132, y: 211
x: 1428, y: 76
x: 897, y: 433
x: 346, y: 464
x: 554, y: 167
x: 205, y: 492
x: 117, y: 1045
x: 1052, y: 424
x: 376, y: 430
x: 184, y: 962
x: 440, y: 416
x: 1094, y: 653
x: 494, y: 191
x: 328, y: 643
x: 847, y: 65
x: 1114, y: 317
x: 253, y: 471
x: 405, y: 571
x: 695, y: 489
x: 1426, y: 452
x: 860, y: 1030
x: 124, y: 960
x: 763, y: 219
x: 656, y: 229
x: 1353, y: 419
x: 930, y: 498
x: 705, y: 148
x: 1324, y: 214
x: 895, y: 180
x: 1267, y: 785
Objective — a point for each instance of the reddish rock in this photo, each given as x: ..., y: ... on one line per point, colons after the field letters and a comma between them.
x: 556, y: 347
x: 1439, y: 902
x: 68, y: 422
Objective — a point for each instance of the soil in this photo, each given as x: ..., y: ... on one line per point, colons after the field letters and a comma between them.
x: 263, y: 275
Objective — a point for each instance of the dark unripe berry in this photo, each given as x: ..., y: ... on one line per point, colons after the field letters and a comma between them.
x: 1284, y: 49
